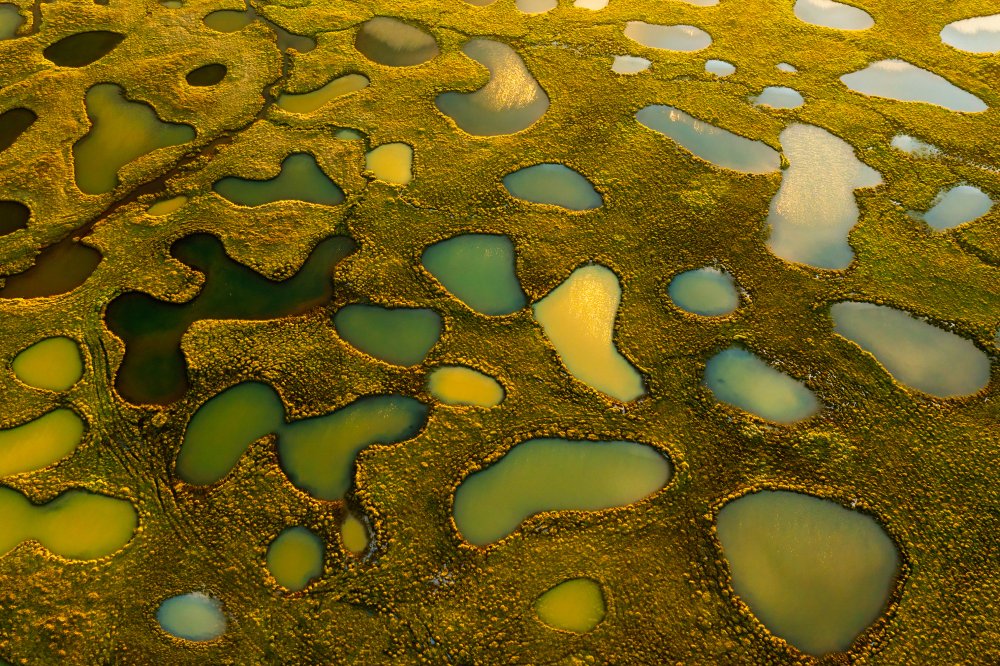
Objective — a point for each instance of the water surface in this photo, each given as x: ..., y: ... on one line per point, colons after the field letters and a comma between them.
x: 741, y: 379
x: 58, y: 269
x: 578, y: 318
x: 958, y: 205
x: 10, y: 21
x: 206, y: 75
x: 14, y: 216
x: 669, y: 37
x: 575, y: 605
x: 626, y: 64
x: 916, y: 353
x: 459, y: 385
x: 706, y: 291
x: 391, y: 162
x: 480, y: 270
x: 14, y: 123
x: 295, y: 558
x: 555, y: 475
x: 720, y: 68
x: 402, y: 336
x: 979, y: 34
x: 300, y: 179
x: 389, y: 41
x: 39, y: 442
x: 83, y: 48
x: 308, y: 102
x: 900, y: 80
x: 354, y: 534
x: 779, y: 97
x: 914, y: 146
x: 194, y: 616
x: 830, y: 14
x: 53, y: 364
x: 814, y: 573
x: 553, y: 184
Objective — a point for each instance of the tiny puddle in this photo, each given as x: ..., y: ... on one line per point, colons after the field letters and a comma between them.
x: 900, y: 80
x: 575, y: 605
x: 479, y: 270
x: 786, y: 68
x: 535, y: 6
x: 980, y: 34
x: 53, y: 364
x: 720, y: 68
x: 917, y: 354
x: 153, y: 369
x: 300, y: 179
x: 914, y: 146
x: 167, y: 206
x: 626, y: 64
x: 354, y: 535
x: 39, y: 443
x: 77, y: 525
x: 295, y: 558
x: 578, y: 318
x: 813, y: 572
x: 830, y: 14
x: 120, y: 131
x: 58, y: 269
x: 815, y: 207
x: 553, y: 184
x: 14, y: 123
x: 458, y: 385
x: 194, y: 616
x: 779, y: 97
x: 316, y: 453
x: 510, y: 102
x: 707, y: 291
x: 207, y: 75
x: 313, y: 100
x: 14, y: 216
x: 738, y: 378
x: 83, y: 48
x: 401, y: 336
x: 710, y: 143
x: 10, y: 21
x: 555, y: 475
x: 670, y: 37
x: 391, y: 163
x: 389, y: 41
x: 956, y: 206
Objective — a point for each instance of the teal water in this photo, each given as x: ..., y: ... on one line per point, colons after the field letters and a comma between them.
x: 402, y: 336
x: 554, y: 184
x: 479, y: 269
x: 300, y: 179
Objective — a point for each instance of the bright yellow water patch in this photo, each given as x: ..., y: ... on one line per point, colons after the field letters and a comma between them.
x: 354, y: 534
x: 311, y: 101
x: 295, y: 557
x: 121, y: 131
x: 579, y: 318
x: 78, y: 525
x: 54, y: 364
x: 574, y: 605
x: 457, y: 385
x: 167, y: 206
x: 814, y: 572
x: 391, y: 162
x: 39, y: 443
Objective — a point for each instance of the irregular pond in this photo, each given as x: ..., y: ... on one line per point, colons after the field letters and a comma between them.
x: 814, y: 573
x: 555, y: 475
x: 167, y: 206
x: 479, y: 269
x: 578, y: 318
x: 626, y: 64
x: 194, y: 616
x: 295, y: 558
x: 459, y: 385
x: 510, y: 102
x: 153, y: 369
x: 311, y: 101
x: 316, y: 453
x: 58, y: 269
x: 231, y: 20
x: 206, y: 75
x: 719, y: 67
x: 402, y: 336
x: 120, y: 132
x: 914, y: 146
x: 10, y: 21
x: 815, y: 209
x: 14, y: 216
x: 738, y: 378
x: 83, y: 48
x: 14, y: 123
x: 354, y: 534
x: 900, y: 80
x: 391, y: 162
x: 300, y: 179
x: 553, y: 184
x: 779, y: 97
x: 53, y: 364
x: 917, y: 354
x: 958, y: 205
x: 710, y: 143
x: 669, y: 37
x: 980, y: 34
x: 40, y: 442
x: 389, y: 41
x: 575, y: 605
x: 830, y: 14
x: 77, y: 525
x: 706, y: 291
